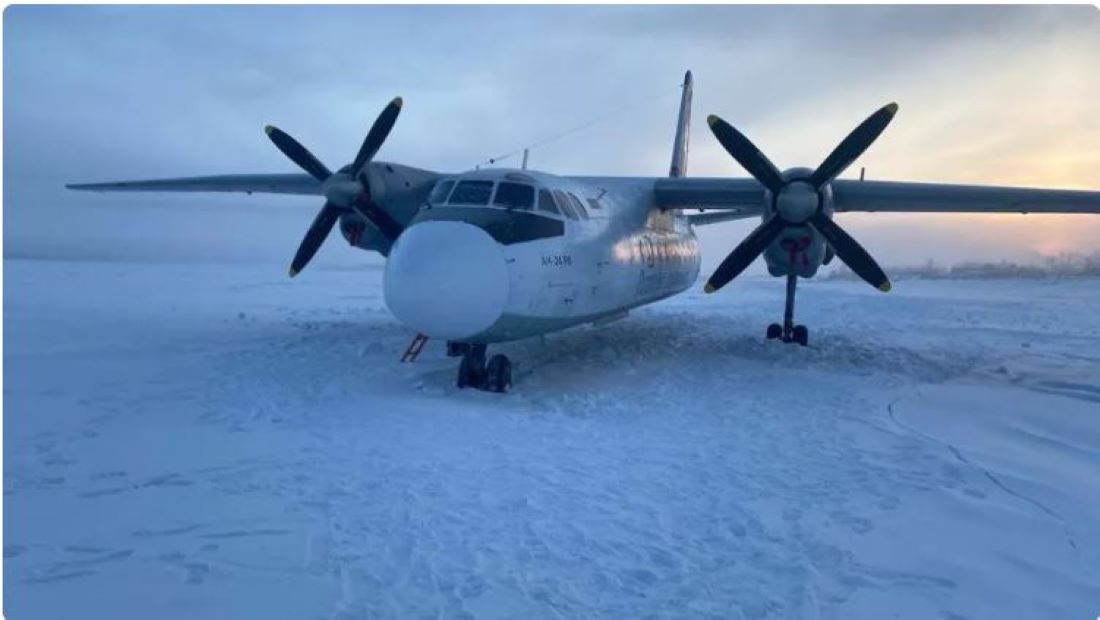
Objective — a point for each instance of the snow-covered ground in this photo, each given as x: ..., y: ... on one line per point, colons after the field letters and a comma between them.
x: 217, y: 441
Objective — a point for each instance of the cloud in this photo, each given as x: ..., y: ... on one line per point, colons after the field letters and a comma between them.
x: 988, y: 95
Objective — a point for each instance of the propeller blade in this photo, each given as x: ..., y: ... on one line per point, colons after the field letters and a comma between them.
x: 377, y: 134
x: 743, y: 255
x: 854, y: 145
x: 315, y: 236
x: 297, y: 153
x: 851, y: 252
x: 377, y: 215
x: 746, y: 154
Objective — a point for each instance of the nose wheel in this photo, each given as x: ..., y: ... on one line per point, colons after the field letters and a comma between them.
x: 788, y: 331
x: 496, y: 376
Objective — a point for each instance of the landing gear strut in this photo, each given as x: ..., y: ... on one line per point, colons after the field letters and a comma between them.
x: 496, y: 376
x: 789, y: 332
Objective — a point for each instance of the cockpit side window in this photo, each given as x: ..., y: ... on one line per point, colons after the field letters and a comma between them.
x: 515, y: 196
x: 577, y: 206
x: 471, y: 193
x: 563, y: 204
x: 546, y: 202
x: 440, y: 191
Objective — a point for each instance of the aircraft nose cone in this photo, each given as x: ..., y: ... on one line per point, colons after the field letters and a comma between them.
x: 446, y: 279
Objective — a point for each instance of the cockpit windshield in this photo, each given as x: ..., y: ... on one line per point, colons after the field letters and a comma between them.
x: 515, y: 196
x: 440, y: 192
x: 514, y: 192
x: 471, y: 193
x: 546, y: 202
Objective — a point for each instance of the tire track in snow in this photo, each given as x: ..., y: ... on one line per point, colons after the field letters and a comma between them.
x: 1050, y: 513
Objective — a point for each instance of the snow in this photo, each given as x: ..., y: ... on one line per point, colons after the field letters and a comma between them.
x: 214, y: 440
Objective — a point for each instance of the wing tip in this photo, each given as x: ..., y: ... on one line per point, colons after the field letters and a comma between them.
x: 885, y: 287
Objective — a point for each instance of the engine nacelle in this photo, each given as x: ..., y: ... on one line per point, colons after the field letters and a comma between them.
x: 400, y: 191
x: 799, y: 249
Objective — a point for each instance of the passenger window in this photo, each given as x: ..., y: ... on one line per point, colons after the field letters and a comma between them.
x: 577, y: 206
x: 563, y: 204
x: 471, y: 193
x: 514, y: 196
x: 439, y: 193
x: 546, y: 202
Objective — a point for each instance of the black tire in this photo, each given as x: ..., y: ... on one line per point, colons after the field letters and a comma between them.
x: 800, y: 335
x: 469, y: 372
x: 774, y: 331
x: 498, y: 375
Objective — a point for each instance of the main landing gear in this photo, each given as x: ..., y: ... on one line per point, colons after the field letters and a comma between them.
x: 788, y: 332
x: 495, y: 376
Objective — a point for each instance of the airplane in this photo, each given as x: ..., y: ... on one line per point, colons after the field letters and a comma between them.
x: 494, y: 255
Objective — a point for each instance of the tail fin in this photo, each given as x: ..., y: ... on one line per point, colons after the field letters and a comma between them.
x: 683, y: 123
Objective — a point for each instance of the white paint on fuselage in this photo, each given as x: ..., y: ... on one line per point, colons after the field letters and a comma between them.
x: 628, y: 253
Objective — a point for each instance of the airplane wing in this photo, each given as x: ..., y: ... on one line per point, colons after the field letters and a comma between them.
x: 892, y: 196
x: 724, y: 215
x: 247, y: 183
x: 709, y: 193
x: 731, y: 199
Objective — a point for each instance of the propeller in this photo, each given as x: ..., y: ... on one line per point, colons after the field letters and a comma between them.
x: 345, y: 190
x: 799, y: 201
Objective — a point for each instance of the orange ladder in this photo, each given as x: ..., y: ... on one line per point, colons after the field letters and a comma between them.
x: 414, y: 348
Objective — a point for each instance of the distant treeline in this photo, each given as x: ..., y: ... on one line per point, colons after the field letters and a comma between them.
x: 1062, y: 265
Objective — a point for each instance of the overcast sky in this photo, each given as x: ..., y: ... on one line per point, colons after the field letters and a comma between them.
x: 997, y: 95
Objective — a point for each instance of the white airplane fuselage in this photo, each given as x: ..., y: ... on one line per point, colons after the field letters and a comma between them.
x: 495, y: 255
x: 487, y: 273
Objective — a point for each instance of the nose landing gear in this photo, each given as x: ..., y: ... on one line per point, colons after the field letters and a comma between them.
x: 496, y: 376
x: 789, y: 332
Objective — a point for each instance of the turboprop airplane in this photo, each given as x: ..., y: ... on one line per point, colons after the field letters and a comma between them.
x: 489, y: 256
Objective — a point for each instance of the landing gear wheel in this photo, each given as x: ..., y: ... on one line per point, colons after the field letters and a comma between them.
x: 471, y: 372
x: 498, y: 375
x: 774, y: 331
x: 469, y: 375
x: 800, y: 335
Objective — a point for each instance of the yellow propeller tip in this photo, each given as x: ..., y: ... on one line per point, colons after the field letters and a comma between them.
x: 268, y: 129
x: 892, y: 108
x: 885, y: 287
x: 293, y: 272
x: 712, y: 120
x: 709, y: 288
x: 398, y: 101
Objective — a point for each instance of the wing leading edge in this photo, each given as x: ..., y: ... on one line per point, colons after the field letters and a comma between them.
x: 730, y: 199
x: 899, y: 197
x: 301, y: 184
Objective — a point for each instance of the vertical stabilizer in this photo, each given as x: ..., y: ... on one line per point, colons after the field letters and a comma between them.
x: 683, y: 132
